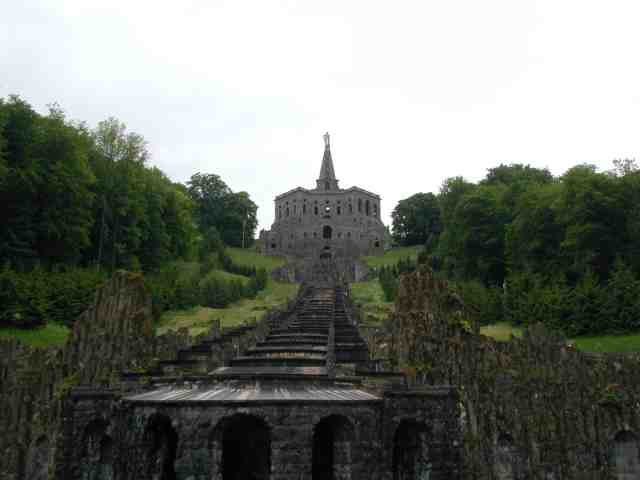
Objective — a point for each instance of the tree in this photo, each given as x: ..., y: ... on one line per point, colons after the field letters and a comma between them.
x: 480, y: 221
x: 230, y: 213
x: 416, y: 219
x: 533, y: 238
x: 592, y: 209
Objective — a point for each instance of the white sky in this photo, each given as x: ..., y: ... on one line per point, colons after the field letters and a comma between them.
x: 411, y: 92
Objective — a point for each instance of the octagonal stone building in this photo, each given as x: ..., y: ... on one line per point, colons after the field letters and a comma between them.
x: 326, y: 220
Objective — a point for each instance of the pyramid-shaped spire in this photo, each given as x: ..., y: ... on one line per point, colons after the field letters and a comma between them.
x: 327, y: 179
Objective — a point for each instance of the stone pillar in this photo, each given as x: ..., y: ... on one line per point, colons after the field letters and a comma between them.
x: 342, y: 460
x: 215, y: 334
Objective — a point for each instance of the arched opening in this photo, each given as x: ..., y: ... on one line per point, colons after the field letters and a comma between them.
x: 366, y: 208
x: 97, y: 451
x: 625, y: 456
x: 359, y: 205
x: 332, y: 438
x: 327, y: 232
x: 162, y: 442
x: 410, y: 452
x: 506, y: 459
x: 37, y: 460
x: 243, y: 444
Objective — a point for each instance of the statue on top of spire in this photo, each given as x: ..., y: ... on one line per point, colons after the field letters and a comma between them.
x: 326, y: 140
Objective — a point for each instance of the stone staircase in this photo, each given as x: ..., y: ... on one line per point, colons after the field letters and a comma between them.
x: 296, y: 342
x: 301, y: 344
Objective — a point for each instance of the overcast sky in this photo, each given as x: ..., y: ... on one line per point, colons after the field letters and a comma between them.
x: 411, y: 92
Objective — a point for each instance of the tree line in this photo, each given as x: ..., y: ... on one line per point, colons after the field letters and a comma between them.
x: 527, y: 246
x: 75, y: 198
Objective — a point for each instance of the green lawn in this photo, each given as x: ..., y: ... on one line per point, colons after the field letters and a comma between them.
x: 608, y: 343
x: 392, y: 257
x: 249, y: 257
x: 370, y: 299
x: 199, y: 319
x: 225, y: 276
x: 597, y: 344
x: 501, y: 331
x: 51, y: 334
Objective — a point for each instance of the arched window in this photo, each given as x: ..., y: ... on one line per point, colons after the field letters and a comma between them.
x: 350, y: 208
x: 359, y: 205
x: 411, y: 452
x: 315, y: 210
x: 287, y: 211
x: 241, y: 446
x: 375, y: 209
x: 331, y: 453
x: 327, y: 186
x: 625, y: 456
x: 339, y: 210
x: 506, y: 461
x: 366, y: 208
x: 163, y: 444
x: 327, y: 232
x: 304, y: 208
x: 97, y: 451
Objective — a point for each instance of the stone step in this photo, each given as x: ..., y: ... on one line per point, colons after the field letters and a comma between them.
x: 287, y: 349
x: 275, y: 361
x: 292, y: 341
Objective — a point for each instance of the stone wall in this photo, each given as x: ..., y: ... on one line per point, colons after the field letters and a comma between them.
x: 532, y: 407
x: 313, y: 269
x: 114, y: 334
x: 149, y: 440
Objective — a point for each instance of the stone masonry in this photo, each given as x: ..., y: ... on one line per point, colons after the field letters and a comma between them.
x: 326, y: 220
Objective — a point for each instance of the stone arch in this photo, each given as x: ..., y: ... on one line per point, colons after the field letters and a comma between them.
x: 626, y: 460
x: 506, y: 464
x: 241, y: 448
x: 327, y: 232
x: 162, y: 445
x: 332, y: 444
x: 96, y: 458
x: 37, y: 459
x: 411, y: 457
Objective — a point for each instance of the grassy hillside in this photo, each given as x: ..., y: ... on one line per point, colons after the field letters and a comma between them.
x: 248, y: 257
x: 392, y: 257
x: 226, y: 276
x: 370, y: 298
x: 501, y: 331
x: 199, y: 319
x: 50, y: 334
x: 608, y: 343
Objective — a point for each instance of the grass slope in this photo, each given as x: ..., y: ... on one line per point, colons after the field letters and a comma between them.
x: 225, y: 276
x: 597, y: 344
x: 501, y: 331
x: 248, y: 257
x: 392, y: 257
x: 199, y: 319
x: 608, y: 343
x: 51, y: 334
x: 370, y: 298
